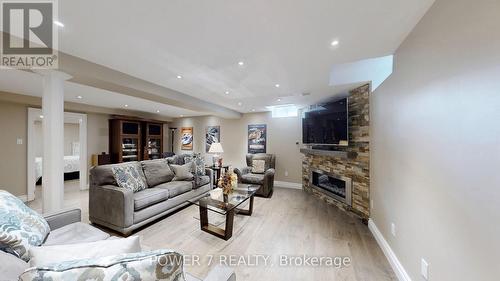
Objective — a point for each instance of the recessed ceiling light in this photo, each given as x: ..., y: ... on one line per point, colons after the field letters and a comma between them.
x: 277, y: 85
x: 181, y: 115
x: 335, y: 43
x: 278, y: 99
x: 179, y: 77
x: 253, y: 109
x: 241, y: 63
x: 158, y: 111
x: 41, y: 116
x: 126, y: 105
x: 79, y: 97
x: 226, y: 92
x: 240, y: 103
x: 58, y: 23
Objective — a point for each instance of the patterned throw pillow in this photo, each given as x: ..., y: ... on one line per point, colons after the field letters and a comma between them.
x: 199, y: 165
x: 188, y: 158
x: 164, y: 265
x: 130, y: 176
x: 20, y: 226
x: 258, y: 166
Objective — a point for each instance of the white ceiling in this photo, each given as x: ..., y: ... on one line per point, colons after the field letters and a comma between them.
x: 28, y: 83
x: 280, y: 41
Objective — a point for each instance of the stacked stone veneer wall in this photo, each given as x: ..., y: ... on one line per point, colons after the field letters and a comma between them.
x: 357, y: 167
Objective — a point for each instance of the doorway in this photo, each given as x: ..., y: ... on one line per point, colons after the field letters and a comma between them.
x: 75, y: 149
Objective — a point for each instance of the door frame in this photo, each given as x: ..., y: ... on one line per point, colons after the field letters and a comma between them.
x: 69, y: 117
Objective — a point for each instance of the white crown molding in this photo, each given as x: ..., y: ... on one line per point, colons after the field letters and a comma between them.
x: 286, y: 184
x: 389, y: 253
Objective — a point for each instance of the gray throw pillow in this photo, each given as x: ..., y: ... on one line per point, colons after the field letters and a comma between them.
x: 157, y: 172
x: 182, y: 172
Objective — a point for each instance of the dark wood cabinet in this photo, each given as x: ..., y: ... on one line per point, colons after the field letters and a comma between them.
x: 125, y: 140
x: 135, y: 140
x: 153, y: 140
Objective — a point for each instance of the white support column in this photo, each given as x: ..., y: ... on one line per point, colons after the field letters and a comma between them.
x: 53, y: 143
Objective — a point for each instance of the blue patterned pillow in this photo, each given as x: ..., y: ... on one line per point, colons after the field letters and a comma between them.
x: 130, y: 176
x: 188, y: 158
x: 20, y: 226
x: 164, y: 265
x: 199, y: 165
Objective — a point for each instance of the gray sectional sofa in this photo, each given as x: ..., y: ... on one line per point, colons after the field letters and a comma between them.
x: 124, y: 211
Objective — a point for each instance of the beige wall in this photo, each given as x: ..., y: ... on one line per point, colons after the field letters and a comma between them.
x: 13, y: 122
x: 13, y: 119
x: 282, y: 135
x: 97, y: 134
x: 436, y: 144
x: 71, y: 135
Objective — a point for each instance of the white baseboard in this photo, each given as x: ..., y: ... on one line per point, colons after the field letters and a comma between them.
x: 390, y: 255
x: 286, y: 184
x: 23, y: 198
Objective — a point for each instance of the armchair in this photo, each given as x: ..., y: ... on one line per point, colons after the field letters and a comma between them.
x: 265, y: 180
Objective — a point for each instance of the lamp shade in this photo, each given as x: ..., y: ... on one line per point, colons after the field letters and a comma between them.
x: 216, y: 147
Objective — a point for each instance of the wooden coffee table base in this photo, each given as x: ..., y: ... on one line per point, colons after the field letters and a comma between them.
x: 227, y: 232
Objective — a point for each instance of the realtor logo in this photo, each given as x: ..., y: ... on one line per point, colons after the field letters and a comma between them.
x: 29, y: 37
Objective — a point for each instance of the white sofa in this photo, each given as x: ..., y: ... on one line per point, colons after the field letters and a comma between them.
x: 66, y: 228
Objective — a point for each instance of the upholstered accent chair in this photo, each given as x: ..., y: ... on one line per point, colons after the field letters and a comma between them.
x: 264, y: 178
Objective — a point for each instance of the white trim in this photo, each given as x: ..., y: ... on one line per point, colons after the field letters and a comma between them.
x: 286, y: 184
x: 81, y: 120
x: 389, y: 253
x: 23, y: 198
x: 33, y: 115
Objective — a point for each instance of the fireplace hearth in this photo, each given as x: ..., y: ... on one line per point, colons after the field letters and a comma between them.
x: 335, y: 186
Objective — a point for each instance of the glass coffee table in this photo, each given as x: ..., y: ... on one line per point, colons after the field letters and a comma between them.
x: 225, y: 205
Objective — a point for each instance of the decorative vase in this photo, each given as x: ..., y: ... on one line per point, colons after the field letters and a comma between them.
x: 226, y: 183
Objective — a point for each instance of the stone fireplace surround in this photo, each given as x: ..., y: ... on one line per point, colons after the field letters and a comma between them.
x: 351, y: 162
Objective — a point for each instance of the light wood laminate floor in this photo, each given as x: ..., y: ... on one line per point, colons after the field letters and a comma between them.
x: 291, y: 223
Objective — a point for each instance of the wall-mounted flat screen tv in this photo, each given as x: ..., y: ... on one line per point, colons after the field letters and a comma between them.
x: 326, y: 124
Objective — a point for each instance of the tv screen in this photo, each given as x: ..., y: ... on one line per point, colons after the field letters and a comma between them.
x: 326, y: 124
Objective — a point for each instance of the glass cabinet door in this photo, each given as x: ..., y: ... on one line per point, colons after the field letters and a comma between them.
x: 130, y: 128
x: 154, y: 148
x: 130, y: 149
x: 154, y: 129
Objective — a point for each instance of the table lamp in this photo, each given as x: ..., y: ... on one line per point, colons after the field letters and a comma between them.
x: 216, y: 149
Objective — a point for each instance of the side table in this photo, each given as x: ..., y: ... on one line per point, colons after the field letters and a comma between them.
x: 218, y: 171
